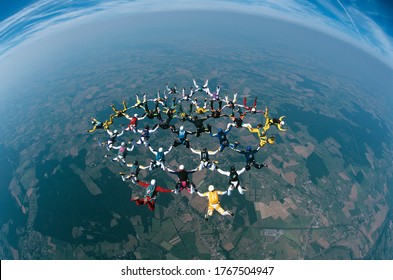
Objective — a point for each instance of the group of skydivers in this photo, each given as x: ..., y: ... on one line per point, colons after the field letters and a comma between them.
x: 168, y: 106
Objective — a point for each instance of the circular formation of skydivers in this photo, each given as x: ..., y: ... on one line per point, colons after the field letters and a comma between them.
x: 170, y: 105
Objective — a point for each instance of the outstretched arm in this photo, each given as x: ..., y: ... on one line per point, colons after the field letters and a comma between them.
x: 143, y: 167
x: 161, y: 189
x: 144, y: 116
x: 226, y: 173
x: 227, y: 130
x: 195, y: 151
x: 213, y: 152
x: 201, y: 194
x: 154, y: 129
x: 167, y: 152
x: 152, y: 150
x: 143, y: 184
x: 171, y: 171
x: 241, y: 171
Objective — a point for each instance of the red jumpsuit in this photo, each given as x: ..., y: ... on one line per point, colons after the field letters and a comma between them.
x: 150, y: 196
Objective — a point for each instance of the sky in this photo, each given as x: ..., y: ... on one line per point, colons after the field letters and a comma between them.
x: 365, y: 24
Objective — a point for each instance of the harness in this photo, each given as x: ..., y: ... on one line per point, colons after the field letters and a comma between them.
x: 122, y: 151
x: 134, y: 170
x: 204, y: 156
x: 182, y: 134
x: 146, y: 133
x: 160, y: 156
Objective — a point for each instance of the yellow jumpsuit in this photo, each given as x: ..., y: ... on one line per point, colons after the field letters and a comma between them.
x: 214, y: 203
x: 269, y: 121
x: 119, y: 113
x: 263, y: 139
x: 105, y: 125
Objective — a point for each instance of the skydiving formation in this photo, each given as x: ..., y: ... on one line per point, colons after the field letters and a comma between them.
x: 171, y: 106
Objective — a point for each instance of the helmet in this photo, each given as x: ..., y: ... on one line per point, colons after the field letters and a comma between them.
x: 248, y: 148
x: 153, y: 182
x: 160, y: 149
x: 205, y: 149
x: 147, y: 126
x: 211, y: 188
x: 136, y: 162
x: 181, y: 167
x: 123, y: 143
x: 219, y: 130
x: 135, y: 115
x: 248, y: 167
x: 253, y: 109
x: 282, y: 123
x: 233, y: 168
x: 93, y: 122
x: 182, y: 128
x: 271, y: 140
x: 115, y: 131
x: 195, y: 117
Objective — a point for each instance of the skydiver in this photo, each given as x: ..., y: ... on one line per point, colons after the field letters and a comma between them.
x: 160, y: 157
x: 214, y: 203
x: 230, y: 103
x: 145, y: 134
x: 186, y: 96
x: 233, y: 179
x: 204, y: 157
x: 198, y: 122
x: 138, y: 103
x: 200, y: 110
x: 151, y: 114
x: 171, y: 90
x: 250, y: 159
x: 216, y: 113
x: 278, y: 122
x: 165, y: 124
x: 159, y: 99
x: 263, y: 139
x: 215, y: 96
x: 112, y: 137
x: 237, y: 121
x: 133, y: 125
x: 135, y: 168
x: 123, y: 149
x: 100, y: 125
x: 253, y: 109
x: 181, y: 114
x: 150, y: 195
x: 222, y: 137
x: 119, y: 113
x: 183, y: 181
x: 203, y: 88
x: 182, y: 136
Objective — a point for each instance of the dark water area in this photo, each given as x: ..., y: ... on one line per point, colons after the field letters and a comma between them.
x: 316, y: 167
x: 65, y: 202
x: 9, y: 209
x: 351, y: 137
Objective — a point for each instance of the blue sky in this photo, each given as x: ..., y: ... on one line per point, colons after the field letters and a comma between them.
x: 365, y: 24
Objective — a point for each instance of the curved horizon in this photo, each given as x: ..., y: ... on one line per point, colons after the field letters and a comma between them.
x: 335, y: 18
